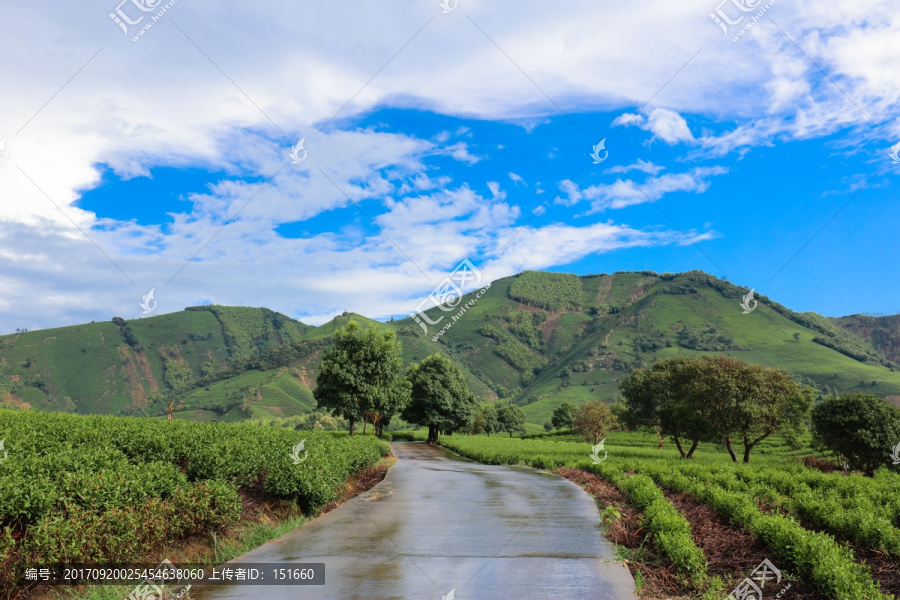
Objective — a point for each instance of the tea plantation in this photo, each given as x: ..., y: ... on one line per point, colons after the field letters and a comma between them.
x: 814, y: 524
x: 76, y: 489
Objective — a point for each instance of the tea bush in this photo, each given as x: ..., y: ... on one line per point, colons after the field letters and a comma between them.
x: 118, y: 489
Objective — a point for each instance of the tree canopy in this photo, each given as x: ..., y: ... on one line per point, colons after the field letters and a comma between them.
x: 563, y: 415
x: 441, y: 399
x: 592, y: 420
x: 715, y: 399
x: 362, y: 373
x: 511, y: 418
x: 861, y: 428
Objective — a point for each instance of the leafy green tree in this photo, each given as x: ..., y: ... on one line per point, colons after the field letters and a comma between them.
x: 362, y: 372
x: 862, y: 428
x: 548, y: 426
x: 751, y: 402
x: 592, y: 420
x: 478, y: 425
x: 563, y: 415
x: 488, y: 412
x: 441, y: 399
x: 511, y: 418
x: 665, y: 398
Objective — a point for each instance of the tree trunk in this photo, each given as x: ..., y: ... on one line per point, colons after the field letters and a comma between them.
x: 730, y: 449
x: 351, y: 426
x: 510, y: 434
x: 690, y: 453
x: 432, y: 434
x: 364, y: 426
x: 678, y: 444
x: 748, y: 445
x: 660, y: 439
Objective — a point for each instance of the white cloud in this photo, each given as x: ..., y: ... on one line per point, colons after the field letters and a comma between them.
x: 162, y: 102
x: 497, y: 193
x: 641, y: 165
x: 626, y: 192
x: 666, y: 125
x: 517, y: 179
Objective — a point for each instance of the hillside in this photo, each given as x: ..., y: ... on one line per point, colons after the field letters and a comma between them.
x: 537, y: 338
x: 124, y: 367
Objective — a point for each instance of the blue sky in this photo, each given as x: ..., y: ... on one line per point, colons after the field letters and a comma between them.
x: 165, y: 163
x: 769, y: 213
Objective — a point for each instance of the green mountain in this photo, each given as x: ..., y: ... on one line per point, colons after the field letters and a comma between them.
x: 537, y: 338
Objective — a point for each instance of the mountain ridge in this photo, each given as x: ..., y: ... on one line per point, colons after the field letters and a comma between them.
x: 537, y: 338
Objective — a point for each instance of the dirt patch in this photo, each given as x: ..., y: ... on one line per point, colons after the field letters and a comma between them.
x: 136, y: 391
x: 362, y: 482
x: 303, y: 376
x: 14, y: 401
x: 641, y: 289
x: 147, y: 371
x: 548, y: 326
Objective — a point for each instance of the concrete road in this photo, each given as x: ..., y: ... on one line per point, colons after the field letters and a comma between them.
x: 439, y: 523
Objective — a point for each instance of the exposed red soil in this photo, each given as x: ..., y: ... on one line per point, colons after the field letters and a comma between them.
x: 660, y: 579
x: 732, y: 554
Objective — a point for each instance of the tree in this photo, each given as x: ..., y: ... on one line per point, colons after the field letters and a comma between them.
x: 562, y: 416
x: 862, y: 428
x: 548, y: 426
x: 715, y: 398
x: 478, y: 425
x: 488, y: 412
x: 664, y: 397
x: 592, y: 420
x: 511, y: 419
x: 441, y: 399
x: 362, y: 372
x: 751, y: 402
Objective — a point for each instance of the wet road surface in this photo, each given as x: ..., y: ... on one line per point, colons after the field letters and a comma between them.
x: 438, y: 523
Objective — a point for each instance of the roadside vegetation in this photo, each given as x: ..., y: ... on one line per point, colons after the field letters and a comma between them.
x: 77, y: 489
